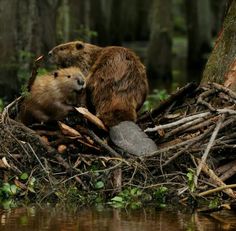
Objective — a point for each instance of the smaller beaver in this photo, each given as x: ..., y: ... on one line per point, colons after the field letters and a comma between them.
x: 52, y: 96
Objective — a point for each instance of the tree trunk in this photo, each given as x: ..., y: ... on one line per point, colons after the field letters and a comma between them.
x: 218, y: 9
x: 9, y: 84
x: 115, y: 26
x: 199, y: 33
x: 99, y: 21
x: 224, y: 52
x: 159, y: 49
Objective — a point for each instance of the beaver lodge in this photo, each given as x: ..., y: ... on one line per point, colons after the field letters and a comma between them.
x: 194, y: 129
x: 74, y: 160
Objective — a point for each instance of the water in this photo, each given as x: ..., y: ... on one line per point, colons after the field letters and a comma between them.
x: 35, y: 218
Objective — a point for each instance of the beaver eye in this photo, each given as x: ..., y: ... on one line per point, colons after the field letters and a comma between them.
x: 79, y: 46
x: 55, y: 74
x: 62, y: 48
x: 68, y: 76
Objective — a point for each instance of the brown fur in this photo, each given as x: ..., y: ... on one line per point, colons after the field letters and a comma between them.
x: 116, y: 83
x: 52, y: 96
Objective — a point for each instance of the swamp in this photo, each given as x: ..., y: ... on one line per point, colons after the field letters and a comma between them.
x: 171, y: 166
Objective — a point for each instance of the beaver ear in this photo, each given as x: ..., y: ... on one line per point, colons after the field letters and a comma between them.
x: 55, y: 74
x: 79, y: 46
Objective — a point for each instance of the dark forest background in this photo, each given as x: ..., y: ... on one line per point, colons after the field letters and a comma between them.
x: 172, y: 37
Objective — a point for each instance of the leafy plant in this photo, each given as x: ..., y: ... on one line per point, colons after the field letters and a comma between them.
x: 160, y: 196
x: 19, y: 187
x: 130, y: 197
x: 154, y: 99
x: 190, y: 176
x: 214, y: 203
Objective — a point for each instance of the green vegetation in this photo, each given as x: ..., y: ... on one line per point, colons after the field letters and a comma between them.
x: 1, y: 105
x: 190, y: 176
x: 154, y: 99
x: 135, y: 198
x: 17, y: 187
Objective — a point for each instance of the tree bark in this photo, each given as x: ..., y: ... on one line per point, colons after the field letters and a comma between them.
x: 160, y: 44
x: 9, y: 84
x: 224, y: 52
x: 199, y: 33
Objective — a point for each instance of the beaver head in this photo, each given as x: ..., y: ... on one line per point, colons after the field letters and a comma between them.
x: 76, y: 53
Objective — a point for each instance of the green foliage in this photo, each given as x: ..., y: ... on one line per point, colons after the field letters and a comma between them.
x: 130, y: 197
x: 135, y: 198
x: 1, y: 105
x: 11, y: 189
x: 99, y: 185
x: 190, y: 176
x: 75, y: 196
x: 214, y: 203
x: 154, y: 99
x: 160, y: 196
x: 42, y: 71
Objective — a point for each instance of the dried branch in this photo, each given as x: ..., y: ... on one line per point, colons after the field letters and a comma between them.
x: 208, y: 148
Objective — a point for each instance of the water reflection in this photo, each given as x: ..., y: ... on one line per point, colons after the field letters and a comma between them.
x: 58, y: 219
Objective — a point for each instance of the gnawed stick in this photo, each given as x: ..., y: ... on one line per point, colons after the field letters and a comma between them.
x: 208, y: 148
x: 217, y: 181
x: 218, y: 189
x: 178, y: 122
x: 224, y: 168
x: 102, y: 143
x: 34, y: 72
x: 230, y: 172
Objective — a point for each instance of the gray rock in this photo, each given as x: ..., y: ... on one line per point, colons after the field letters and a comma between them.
x: 129, y: 137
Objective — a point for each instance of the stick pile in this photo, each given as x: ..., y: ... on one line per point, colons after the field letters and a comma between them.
x: 195, y: 130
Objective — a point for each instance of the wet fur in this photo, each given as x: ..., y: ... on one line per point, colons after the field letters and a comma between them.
x: 116, y: 84
x: 52, y: 96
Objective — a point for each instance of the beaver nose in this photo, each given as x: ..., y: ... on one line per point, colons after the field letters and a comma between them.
x: 80, y: 82
x: 50, y: 53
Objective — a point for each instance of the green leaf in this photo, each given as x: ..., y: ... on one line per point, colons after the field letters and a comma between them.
x: 13, y: 189
x: 117, y: 199
x: 24, y: 176
x: 6, y: 188
x: 99, y: 185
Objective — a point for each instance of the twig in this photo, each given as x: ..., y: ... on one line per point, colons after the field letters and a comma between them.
x: 221, y: 188
x: 34, y: 72
x: 190, y: 87
x: 206, y: 123
x: 101, y: 142
x: 225, y: 167
x: 178, y: 122
x: 216, y: 180
x: 5, y: 113
x: 208, y: 148
x: 186, y: 142
x: 32, y: 150
x: 225, y: 90
x: 203, y: 102
x: 191, y: 143
x: 183, y: 127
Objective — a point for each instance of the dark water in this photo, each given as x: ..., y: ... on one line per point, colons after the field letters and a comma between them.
x: 55, y: 219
